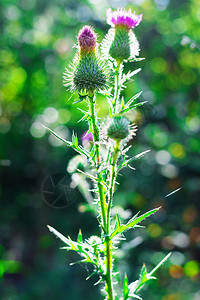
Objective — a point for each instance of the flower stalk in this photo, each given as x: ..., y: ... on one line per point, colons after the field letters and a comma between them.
x: 87, y: 76
x: 117, y: 85
x: 95, y: 131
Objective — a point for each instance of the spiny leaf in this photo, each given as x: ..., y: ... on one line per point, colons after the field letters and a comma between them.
x: 95, y: 179
x: 125, y: 288
x: 122, y: 104
x: 129, y: 75
x: 125, y: 163
x: 137, y: 59
x: 133, y: 222
x: 86, y: 115
x: 133, y: 99
x: 162, y: 262
x: 74, y: 140
x: 73, y: 144
x: 117, y: 220
x: 80, y: 237
x: 144, y: 276
x: 134, y: 296
x: 138, y: 156
x: 133, y: 106
x: 80, y: 99
x: 88, y: 175
x: 59, y: 235
x: 59, y: 137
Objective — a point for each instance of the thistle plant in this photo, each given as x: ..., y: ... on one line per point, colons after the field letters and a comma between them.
x: 100, y: 69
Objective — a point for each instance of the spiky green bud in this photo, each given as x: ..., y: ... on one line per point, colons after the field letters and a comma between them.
x: 120, y: 43
x: 120, y: 47
x: 118, y: 128
x: 88, y: 73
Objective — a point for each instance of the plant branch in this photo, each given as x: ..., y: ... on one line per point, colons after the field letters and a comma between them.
x: 95, y: 130
x: 112, y: 182
x: 117, y: 85
x: 108, y: 240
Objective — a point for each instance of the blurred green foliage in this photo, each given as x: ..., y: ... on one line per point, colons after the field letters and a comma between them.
x: 36, y: 45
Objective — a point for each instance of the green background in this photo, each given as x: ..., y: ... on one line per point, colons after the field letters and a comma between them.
x: 36, y: 45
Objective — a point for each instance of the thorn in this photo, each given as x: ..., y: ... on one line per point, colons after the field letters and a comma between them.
x: 173, y: 192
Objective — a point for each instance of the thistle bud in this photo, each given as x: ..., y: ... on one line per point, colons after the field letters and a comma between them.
x: 120, y: 42
x: 118, y: 128
x: 87, y: 40
x: 88, y: 72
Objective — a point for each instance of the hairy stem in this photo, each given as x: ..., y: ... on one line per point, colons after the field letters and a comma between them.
x: 109, y: 268
x: 104, y: 212
x: 112, y: 182
x: 95, y: 130
x: 117, y: 85
x: 108, y: 240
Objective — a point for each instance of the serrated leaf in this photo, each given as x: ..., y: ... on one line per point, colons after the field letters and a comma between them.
x: 130, y: 101
x: 138, y: 156
x: 125, y: 288
x: 80, y: 99
x: 137, y: 59
x: 88, y: 175
x: 133, y: 106
x: 73, y: 144
x: 134, y: 296
x: 84, y: 249
x: 80, y: 237
x: 122, y: 104
x: 59, y: 137
x: 133, y: 222
x: 59, y: 235
x: 158, y: 266
x: 74, y: 140
x: 129, y: 75
x: 117, y: 220
x: 85, y: 116
x: 144, y: 276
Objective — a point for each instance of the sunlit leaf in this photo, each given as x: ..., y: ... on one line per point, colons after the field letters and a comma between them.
x: 132, y: 223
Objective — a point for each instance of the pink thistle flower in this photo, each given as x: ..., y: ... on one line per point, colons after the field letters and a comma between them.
x: 87, y: 136
x: 121, y: 17
x: 87, y: 139
x: 87, y: 39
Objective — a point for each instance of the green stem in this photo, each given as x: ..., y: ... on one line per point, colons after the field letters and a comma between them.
x: 112, y: 182
x: 117, y: 86
x: 106, y: 221
x: 95, y: 130
x: 109, y: 268
x: 108, y: 240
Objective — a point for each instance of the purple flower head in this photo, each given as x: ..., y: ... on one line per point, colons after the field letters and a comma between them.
x: 87, y: 136
x: 87, y: 39
x: 121, y: 17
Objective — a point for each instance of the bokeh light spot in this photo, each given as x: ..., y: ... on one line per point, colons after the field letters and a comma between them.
x: 37, y: 130
x: 158, y: 65
x: 191, y: 268
x: 154, y: 230
x: 189, y: 215
x: 50, y: 115
x: 176, y: 271
x: 177, y: 150
x: 169, y: 171
x: 163, y: 157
